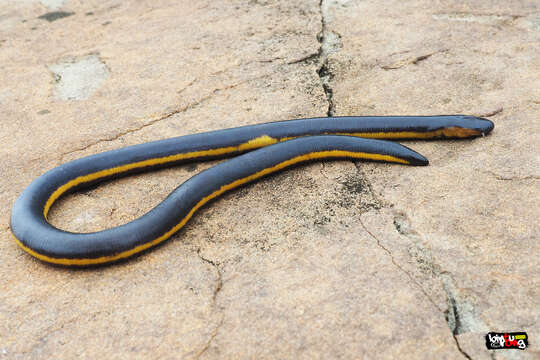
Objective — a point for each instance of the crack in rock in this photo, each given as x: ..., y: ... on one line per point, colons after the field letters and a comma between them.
x: 413, y: 280
x: 159, y: 117
x: 460, y: 314
x: 416, y: 250
x: 457, y: 308
x: 330, y: 43
x: 210, y: 339
x: 467, y: 356
x: 491, y: 113
x: 219, y: 282
x: 152, y: 121
x: 412, y: 61
x: 217, y: 288
x: 490, y: 19
x: 510, y: 178
x: 307, y: 58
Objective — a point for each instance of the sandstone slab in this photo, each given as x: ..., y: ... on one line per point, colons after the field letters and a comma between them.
x: 332, y: 260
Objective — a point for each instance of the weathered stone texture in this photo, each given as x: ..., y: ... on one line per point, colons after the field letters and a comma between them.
x: 335, y: 260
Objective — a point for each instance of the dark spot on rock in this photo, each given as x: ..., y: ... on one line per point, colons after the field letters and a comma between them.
x: 191, y: 167
x: 355, y: 185
x: 43, y: 112
x: 55, y: 15
x: 33, y: 28
x: 321, y: 220
x: 106, y: 23
x: 357, y: 191
x: 397, y: 225
x: 324, y: 214
x: 402, y: 224
x: 89, y: 13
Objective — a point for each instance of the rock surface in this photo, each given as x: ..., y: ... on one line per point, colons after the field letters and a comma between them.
x: 334, y: 260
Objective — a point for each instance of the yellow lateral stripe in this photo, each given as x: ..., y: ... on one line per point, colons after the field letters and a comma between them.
x: 446, y: 132
x: 255, y: 143
x: 224, y: 188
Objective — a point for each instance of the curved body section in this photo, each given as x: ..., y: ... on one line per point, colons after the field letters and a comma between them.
x: 42, y: 240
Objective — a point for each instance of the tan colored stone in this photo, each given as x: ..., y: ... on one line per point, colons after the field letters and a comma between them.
x: 464, y: 227
x: 332, y: 260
